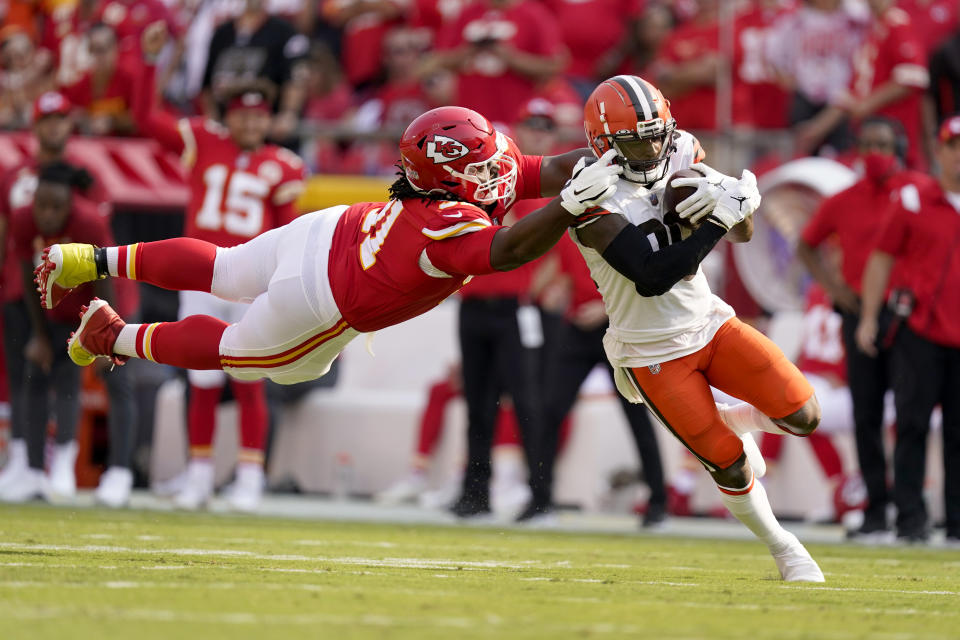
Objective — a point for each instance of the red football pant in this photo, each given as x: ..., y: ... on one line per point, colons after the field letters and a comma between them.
x: 771, y: 447
x: 202, y: 417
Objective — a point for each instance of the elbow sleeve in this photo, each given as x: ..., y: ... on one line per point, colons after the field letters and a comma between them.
x: 654, y: 268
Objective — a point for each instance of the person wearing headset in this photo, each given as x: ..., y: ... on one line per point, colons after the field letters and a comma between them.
x: 850, y: 222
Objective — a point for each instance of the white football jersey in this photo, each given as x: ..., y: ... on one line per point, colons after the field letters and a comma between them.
x: 648, y: 331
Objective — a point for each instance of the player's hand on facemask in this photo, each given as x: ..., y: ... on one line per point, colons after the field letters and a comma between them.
x: 591, y: 184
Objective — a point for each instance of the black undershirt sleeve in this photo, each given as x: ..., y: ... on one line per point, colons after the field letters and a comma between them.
x: 655, y: 271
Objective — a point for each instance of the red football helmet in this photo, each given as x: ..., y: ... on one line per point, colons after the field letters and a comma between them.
x: 630, y: 115
x: 456, y: 150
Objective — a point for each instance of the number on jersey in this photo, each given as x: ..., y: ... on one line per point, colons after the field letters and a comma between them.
x: 822, y: 334
x: 377, y: 224
x: 242, y: 209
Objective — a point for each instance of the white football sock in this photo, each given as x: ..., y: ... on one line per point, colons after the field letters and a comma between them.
x: 753, y: 509
x: 126, y: 344
x: 743, y: 418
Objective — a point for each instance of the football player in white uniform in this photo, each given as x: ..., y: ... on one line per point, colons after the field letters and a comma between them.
x: 670, y: 339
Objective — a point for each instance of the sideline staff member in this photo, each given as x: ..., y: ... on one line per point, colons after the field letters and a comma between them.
x: 852, y: 219
x: 923, y: 233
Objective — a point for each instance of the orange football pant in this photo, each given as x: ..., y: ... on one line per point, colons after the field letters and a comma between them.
x: 740, y: 361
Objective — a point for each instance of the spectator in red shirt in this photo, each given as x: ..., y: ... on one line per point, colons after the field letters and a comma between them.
x: 403, y: 96
x: 105, y: 94
x: 853, y: 218
x: 767, y: 99
x: 923, y: 235
x: 591, y: 29
x: 501, y: 50
x: 24, y: 75
x: 51, y: 128
x: 689, y: 63
x: 130, y: 18
x: 640, y: 47
x: 809, y: 50
x: 54, y: 216
x: 689, y: 66
x: 889, y: 77
x: 933, y: 20
x: 365, y: 24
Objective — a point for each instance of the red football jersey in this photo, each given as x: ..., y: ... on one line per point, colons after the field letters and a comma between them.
x: 486, y: 83
x: 392, y: 261
x: 892, y: 52
x: 822, y: 349
x: 234, y: 195
x: 87, y: 223
x: 17, y: 187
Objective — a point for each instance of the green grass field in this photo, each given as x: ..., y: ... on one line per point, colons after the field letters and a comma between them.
x: 90, y: 573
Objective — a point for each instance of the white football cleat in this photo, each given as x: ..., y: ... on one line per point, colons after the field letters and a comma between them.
x: 62, y: 478
x: 408, y: 489
x: 16, y: 462
x: 754, y: 457
x: 247, y: 490
x: 796, y: 564
x: 198, y: 488
x: 27, y: 485
x: 115, y: 487
x: 170, y: 487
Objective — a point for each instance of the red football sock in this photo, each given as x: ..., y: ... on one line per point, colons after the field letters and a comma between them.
x: 252, y: 401
x: 202, y: 419
x: 191, y: 343
x: 827, y: 455
x: 431, y: 423
x: 771, y: 446
x: 507, y: 430
x: 181, y: 264
x: 565, y: 428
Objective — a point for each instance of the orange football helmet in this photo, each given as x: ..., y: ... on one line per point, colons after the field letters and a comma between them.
x: 631, y: 116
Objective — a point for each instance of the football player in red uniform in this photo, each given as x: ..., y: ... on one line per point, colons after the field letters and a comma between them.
x: 240, y: 187
x: 318, y: 282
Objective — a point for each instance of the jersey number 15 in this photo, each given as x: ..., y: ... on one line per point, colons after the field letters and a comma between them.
x: 242, y: 212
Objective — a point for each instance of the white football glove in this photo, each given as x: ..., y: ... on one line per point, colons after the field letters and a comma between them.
x: 710, y: 188
x: 591, y: 184
x: 737, y: 203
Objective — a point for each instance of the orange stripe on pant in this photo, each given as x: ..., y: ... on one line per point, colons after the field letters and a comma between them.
x: 740, y: 361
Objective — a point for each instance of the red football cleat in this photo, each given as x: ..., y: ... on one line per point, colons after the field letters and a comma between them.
x: 94, y: 338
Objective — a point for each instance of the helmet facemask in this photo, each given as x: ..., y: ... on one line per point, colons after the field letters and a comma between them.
x: 643, y: 153
x: 495, y: 178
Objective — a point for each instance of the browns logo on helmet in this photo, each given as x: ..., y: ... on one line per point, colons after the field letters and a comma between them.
x: 630, y: 115
x: 456, y: 151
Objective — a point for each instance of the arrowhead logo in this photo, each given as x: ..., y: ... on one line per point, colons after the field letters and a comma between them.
x: 443, y: 149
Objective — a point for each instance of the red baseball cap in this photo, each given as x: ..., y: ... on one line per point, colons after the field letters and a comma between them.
x: 50, y: 103
x: 538, y: 110
x: 249, y: 100
x: 949, y: 129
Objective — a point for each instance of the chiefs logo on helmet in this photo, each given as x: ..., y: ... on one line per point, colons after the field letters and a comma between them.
x: 443, y: 149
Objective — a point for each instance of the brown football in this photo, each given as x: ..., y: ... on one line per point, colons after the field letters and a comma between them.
x: 672, y: 196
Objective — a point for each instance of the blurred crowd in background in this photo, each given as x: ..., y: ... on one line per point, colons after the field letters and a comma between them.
x: 759, y: 82
x: 349, y: 74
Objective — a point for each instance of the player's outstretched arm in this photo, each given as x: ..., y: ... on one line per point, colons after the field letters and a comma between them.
x: 629, y: 251
x: 534, y: 234
x: 149, y: 118
x: 556, y: 170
